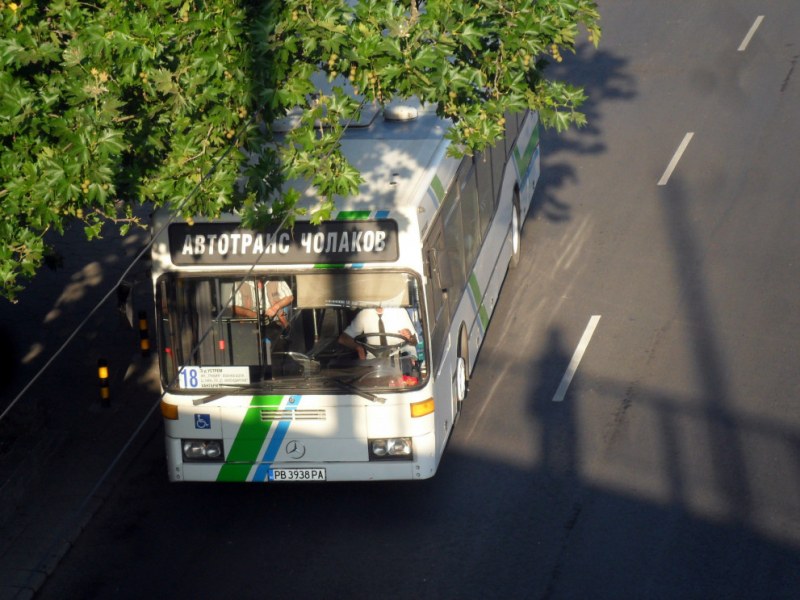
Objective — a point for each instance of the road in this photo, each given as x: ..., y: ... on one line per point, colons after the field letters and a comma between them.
x: 670, y: 468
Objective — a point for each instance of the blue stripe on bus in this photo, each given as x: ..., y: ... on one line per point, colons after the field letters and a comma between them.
x: 274, y: 444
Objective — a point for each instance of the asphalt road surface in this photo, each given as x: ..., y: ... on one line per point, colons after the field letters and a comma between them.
x: 664, y: 251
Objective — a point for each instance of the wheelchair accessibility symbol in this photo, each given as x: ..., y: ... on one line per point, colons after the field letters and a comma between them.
x: 202, y: 421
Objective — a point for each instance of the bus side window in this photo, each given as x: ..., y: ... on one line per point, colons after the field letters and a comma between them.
x: 498, y: 154
x: 452, y: 260
x: 445, y: 276
x: 439, y: 281
x: 483, y: 164
x: 513, y: 121
x: 470, y: 215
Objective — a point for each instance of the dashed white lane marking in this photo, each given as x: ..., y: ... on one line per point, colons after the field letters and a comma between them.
x: 675, y: 158
x: 749, y: 36
x: 576, y: 359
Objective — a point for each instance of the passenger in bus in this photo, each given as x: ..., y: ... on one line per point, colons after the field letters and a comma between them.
x: 375, y: 321
x: 277, y: 300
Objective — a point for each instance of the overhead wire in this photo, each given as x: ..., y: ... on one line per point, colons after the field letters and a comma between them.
x: 242, y: 281
x: 122, y: 278
x: 113, y: 289
x: 127, y: 270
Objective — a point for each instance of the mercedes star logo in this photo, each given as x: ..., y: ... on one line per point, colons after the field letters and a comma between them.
x: 295, y: 449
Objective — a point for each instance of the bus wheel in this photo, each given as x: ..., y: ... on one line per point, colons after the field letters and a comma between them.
x: 516, y: 236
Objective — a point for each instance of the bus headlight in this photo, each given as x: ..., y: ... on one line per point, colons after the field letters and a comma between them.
x: 390, y: 449
x: 202, y: 450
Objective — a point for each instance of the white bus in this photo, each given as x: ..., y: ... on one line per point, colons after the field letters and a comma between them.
x: 258, y: 392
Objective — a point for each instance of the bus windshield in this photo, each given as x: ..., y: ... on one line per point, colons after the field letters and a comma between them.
x: 333, y: 331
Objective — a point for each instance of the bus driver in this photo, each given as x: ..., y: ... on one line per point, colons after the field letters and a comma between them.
x: 376, y: 321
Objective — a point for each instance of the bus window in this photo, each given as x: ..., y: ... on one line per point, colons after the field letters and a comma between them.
x: 470, y: 219
x: 498, y: 153
x: 201, y: 327
x: 483, y: 165
x: 439, y: 279
x: 511, y: 133
x: 452, y: 260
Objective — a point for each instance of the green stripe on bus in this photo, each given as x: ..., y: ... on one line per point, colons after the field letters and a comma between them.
x: 438, y: 188
x: 518, y: 160
x: 234, y: 473
x: 530, y: 148
x: 353, y: 215
x: 476, y: 293
x: 534, y: 141
x: 523, y: 159
x: 249, y: 440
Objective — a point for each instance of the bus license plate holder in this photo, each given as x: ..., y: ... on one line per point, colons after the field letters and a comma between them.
x: 298, y: 474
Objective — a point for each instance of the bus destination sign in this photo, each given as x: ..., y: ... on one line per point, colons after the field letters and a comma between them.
x: 330, y: 242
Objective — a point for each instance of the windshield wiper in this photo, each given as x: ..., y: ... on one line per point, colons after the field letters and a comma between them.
x: 270, y: 385
x: 357, y: 390
x: 256, y: 386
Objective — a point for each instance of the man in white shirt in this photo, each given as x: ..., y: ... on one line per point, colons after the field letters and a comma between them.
x: 393, y: 320
x: 274, y: 302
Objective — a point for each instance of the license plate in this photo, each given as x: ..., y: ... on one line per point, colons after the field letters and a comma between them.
x: 297, y: 475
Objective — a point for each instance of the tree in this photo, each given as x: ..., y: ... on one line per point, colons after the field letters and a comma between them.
x: 111, y: 104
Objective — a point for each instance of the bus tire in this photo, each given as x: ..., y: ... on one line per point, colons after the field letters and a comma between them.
x: 516, y: 234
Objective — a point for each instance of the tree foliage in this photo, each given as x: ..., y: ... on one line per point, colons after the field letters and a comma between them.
x: 105, y: 105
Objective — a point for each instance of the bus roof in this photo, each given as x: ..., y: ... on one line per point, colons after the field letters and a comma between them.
x: 397, y: 160
x: 392, y: 157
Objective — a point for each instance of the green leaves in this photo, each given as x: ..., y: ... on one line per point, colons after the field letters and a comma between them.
x: 103, y: 107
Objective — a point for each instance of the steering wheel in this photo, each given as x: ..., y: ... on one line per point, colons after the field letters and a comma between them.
x: 382, y: 350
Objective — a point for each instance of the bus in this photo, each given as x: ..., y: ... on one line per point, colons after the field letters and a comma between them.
x: 257, y: 392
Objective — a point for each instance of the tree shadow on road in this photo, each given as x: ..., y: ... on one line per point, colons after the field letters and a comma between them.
x: 604, y: 76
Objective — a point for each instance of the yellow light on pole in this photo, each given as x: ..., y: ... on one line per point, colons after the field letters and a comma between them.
x: 144, y: 334
x: 102, y: 374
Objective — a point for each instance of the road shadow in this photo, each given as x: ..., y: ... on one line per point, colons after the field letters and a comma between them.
x: 605, y: 78
x: 729, y: 465
x: 491, y: 524
x: 47, y: 316
x: 484, y: 527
